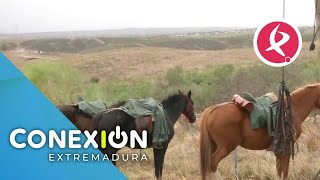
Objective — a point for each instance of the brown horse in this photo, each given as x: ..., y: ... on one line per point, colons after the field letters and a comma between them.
x: 84, y: 121
x: 227, y: 125
x: 80, y: 119
x: 173, y: 105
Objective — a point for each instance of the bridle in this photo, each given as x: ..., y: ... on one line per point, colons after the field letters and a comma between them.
x: 188, y: 112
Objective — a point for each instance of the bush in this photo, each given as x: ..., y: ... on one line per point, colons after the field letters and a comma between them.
x: 212, y: 85
x: 114, y: 91
x: 7, y: 46
x: 217, y: 84
x: 62, y: 84
x: 59, y: 82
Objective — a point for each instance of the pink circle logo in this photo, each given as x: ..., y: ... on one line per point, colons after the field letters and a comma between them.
x: 277, y: 43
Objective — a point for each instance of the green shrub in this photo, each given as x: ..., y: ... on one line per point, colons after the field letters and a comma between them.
x: 59, y: 82
x: 215, y: 84
x: 7, y: 46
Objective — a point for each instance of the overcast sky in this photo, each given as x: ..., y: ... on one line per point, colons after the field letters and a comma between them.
x: 21, y: 16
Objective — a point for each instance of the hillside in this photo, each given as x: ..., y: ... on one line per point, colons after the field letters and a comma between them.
x: 127, y: 32
x: 214, y: 67
x: 129, y: 57
x: 186, y: 39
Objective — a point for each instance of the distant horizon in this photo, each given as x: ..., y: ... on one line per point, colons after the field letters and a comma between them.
x: 128, y: 28
x: 137, y: 28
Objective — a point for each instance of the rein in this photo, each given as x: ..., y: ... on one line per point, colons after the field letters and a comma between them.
x: 284, y: 130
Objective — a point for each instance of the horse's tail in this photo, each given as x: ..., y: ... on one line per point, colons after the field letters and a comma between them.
x: 279, y: 166
x: 283, y: 166
x: 207, y: 145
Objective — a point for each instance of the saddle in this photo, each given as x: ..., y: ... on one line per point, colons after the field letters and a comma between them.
x: 262, y: 109
x: 242, y: 102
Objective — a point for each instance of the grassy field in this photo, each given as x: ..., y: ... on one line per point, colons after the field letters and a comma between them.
x: 61, y: 84
x: 182, y: 158
x: 213, y: 67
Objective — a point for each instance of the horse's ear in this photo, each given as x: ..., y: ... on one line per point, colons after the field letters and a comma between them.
x: 189, y: 93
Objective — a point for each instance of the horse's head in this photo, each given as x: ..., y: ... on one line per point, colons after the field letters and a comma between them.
x: 188, y: 109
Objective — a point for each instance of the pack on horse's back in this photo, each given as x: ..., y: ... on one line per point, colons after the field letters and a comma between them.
x: 137, y: 114
x: 262, y: 109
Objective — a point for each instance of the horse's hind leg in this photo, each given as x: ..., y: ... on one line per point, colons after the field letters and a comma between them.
x: 220, y: 153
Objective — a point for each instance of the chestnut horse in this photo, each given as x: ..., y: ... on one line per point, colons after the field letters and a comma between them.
x: 227, y: 125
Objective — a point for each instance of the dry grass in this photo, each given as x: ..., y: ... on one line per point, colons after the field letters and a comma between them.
x: 128, y: 63
x: 182, y: 158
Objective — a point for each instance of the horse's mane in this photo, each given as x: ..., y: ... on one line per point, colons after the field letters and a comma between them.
x: 303, y: 88
x: 118, y: 104
x: 171, y: 99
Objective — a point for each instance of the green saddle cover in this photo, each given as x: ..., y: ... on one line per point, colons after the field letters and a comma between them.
x: 149, y: 106
x: 262, y: 115
x: 91, y: 108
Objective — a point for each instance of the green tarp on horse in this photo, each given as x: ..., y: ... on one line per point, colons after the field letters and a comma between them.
x: 149, y: 106
x: 136, y: 109
x: 261, y: 113
x: 91, y: 108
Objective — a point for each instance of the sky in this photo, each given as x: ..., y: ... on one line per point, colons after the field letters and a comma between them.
x: 25, y: 16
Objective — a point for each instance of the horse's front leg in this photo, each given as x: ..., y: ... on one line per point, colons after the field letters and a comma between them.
x: 158, y: 156
x: 109, y: 153
x: 113, y: 162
